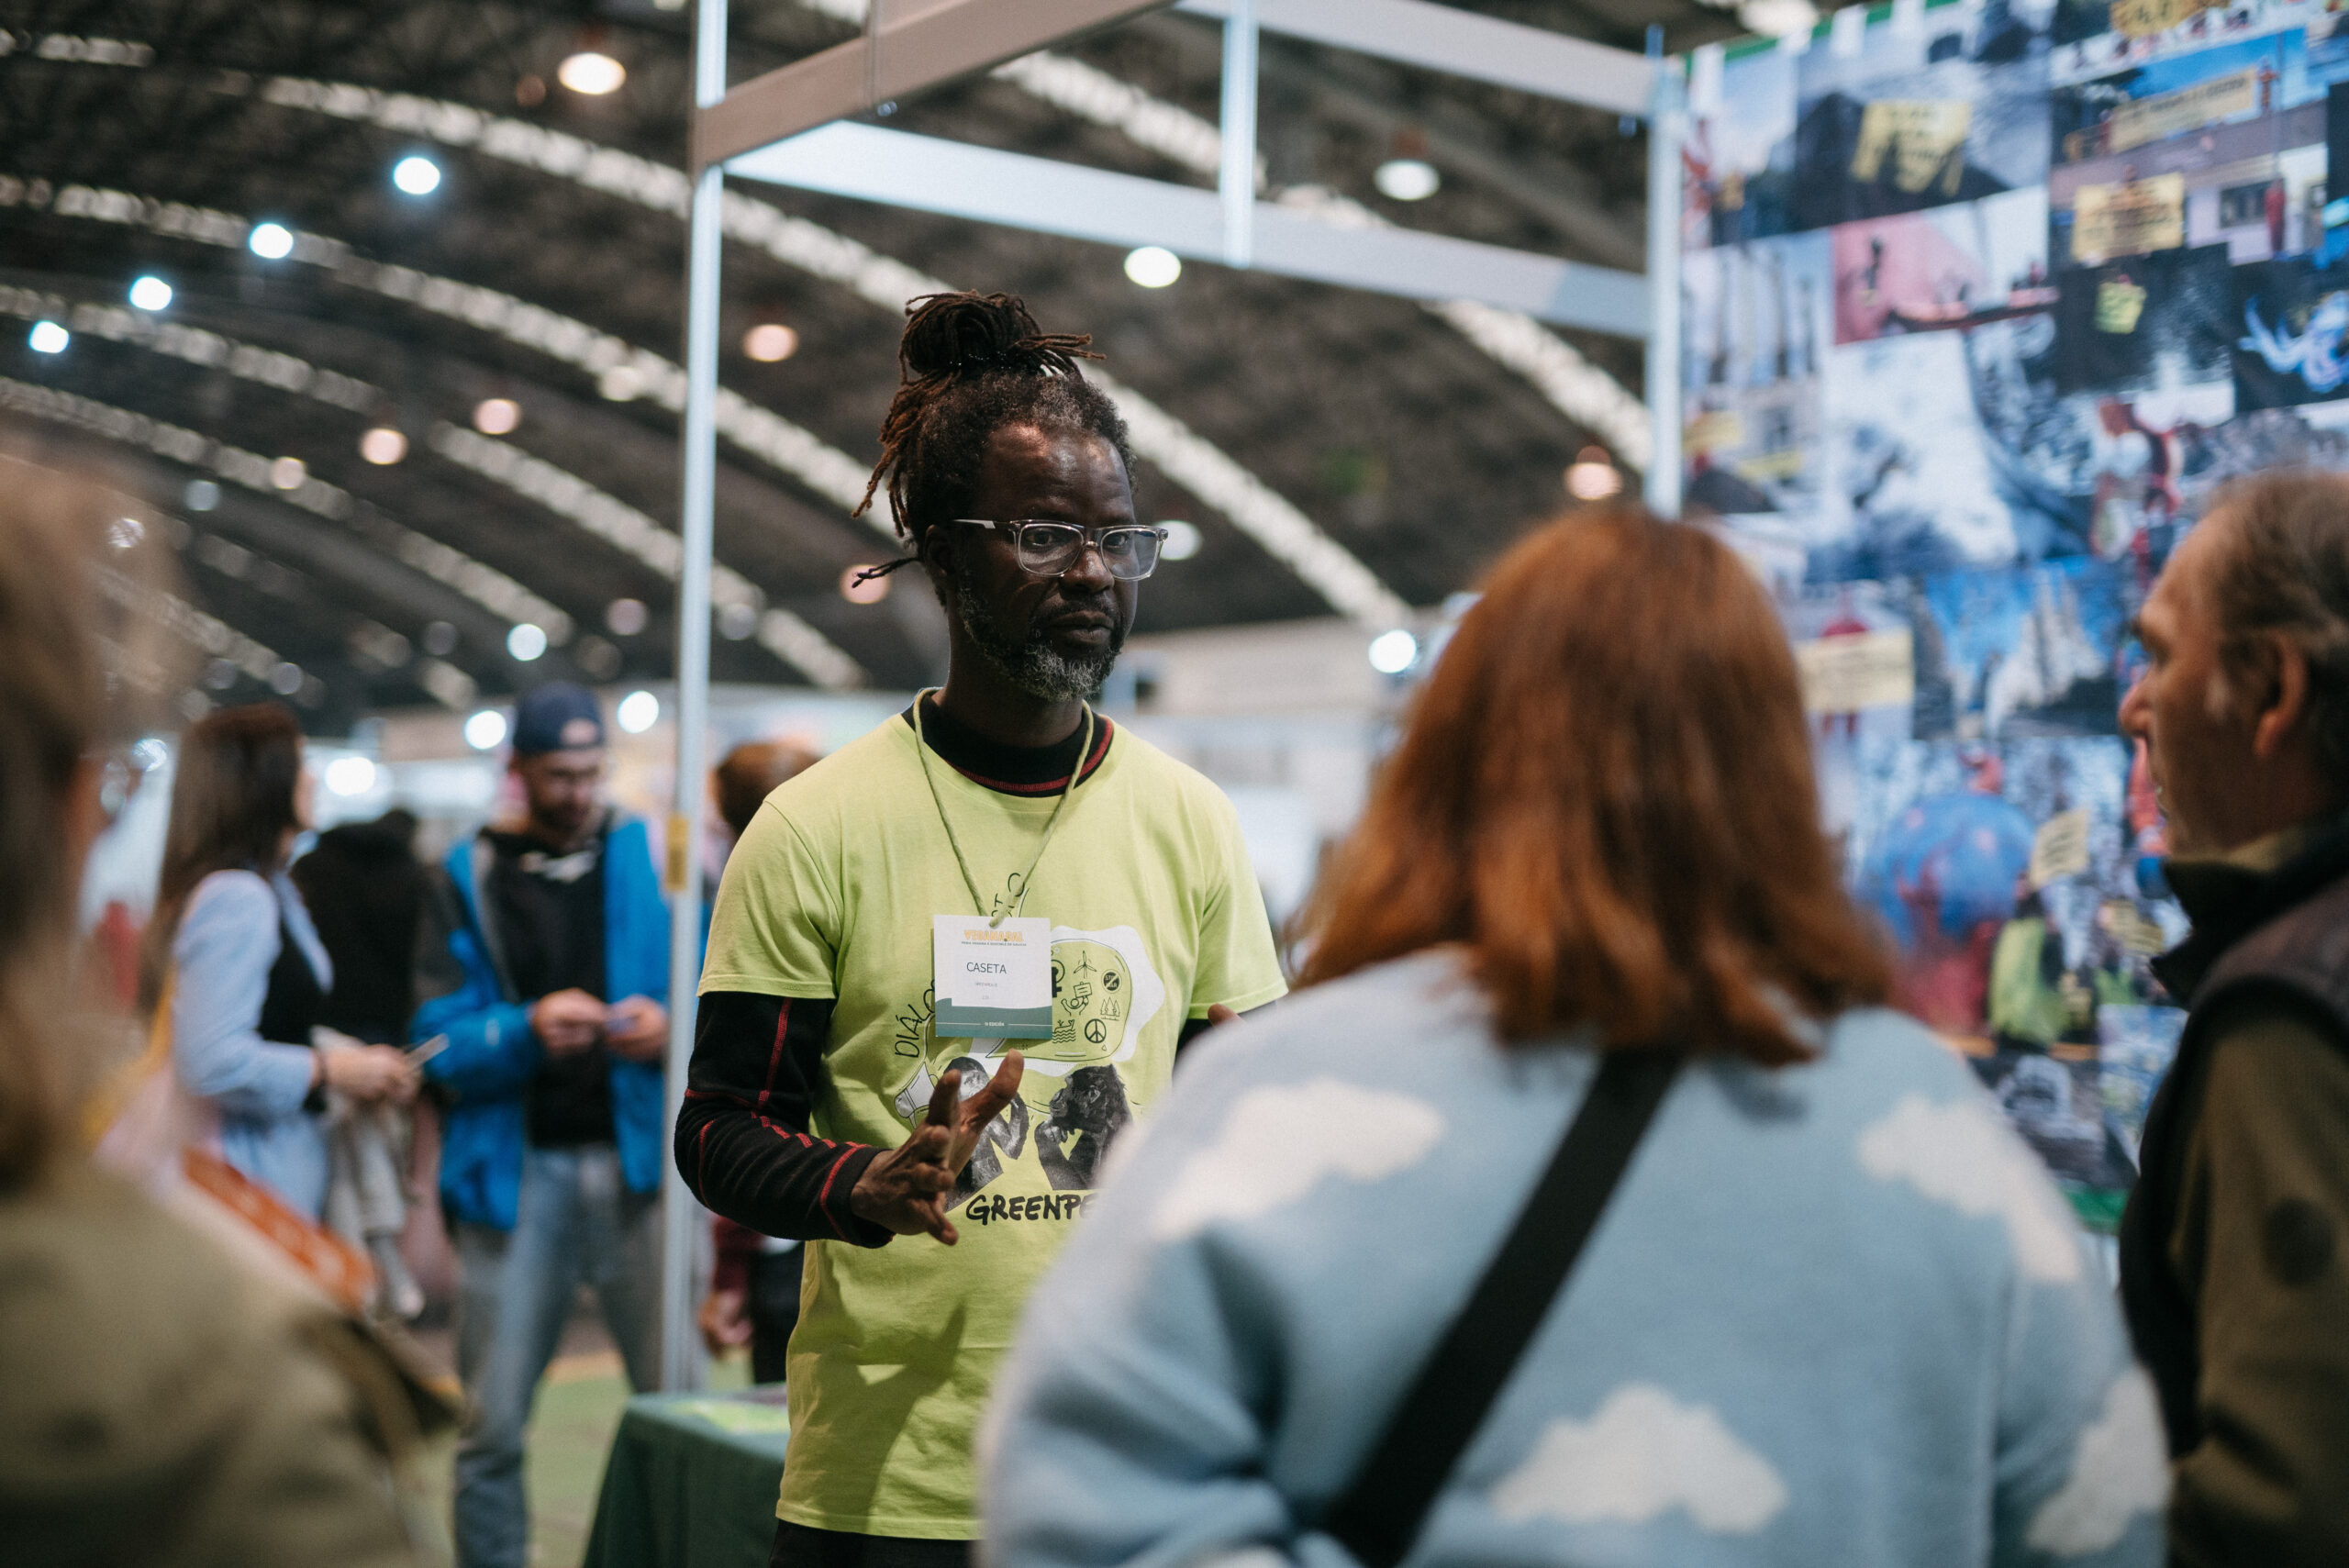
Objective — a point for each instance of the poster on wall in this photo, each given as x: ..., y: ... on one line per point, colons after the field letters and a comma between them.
x: 2011, y: 876
x: 2291, y: 344
x: 1954, y: 266
x: 1985, y: 302
x: 2033, y: 651
x: 1737, y: 163
x: 1930, y: 455
x: 1950, y: 108
x: 1756, y: 325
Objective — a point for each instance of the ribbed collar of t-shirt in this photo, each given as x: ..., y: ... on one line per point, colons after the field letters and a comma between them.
x: 1009, y: 770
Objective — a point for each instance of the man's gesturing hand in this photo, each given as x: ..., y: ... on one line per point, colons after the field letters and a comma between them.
x: 905, y: 1190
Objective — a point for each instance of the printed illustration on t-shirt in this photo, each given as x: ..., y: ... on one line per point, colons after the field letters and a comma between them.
x: 1105, y: 991
x: 1091, y: 1108
x: 1002, y: 1140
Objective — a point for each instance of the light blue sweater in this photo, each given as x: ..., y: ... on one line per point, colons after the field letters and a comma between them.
x: 1836, y: 1313
x: 221, y: 955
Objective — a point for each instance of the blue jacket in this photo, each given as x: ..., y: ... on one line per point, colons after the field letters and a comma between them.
x: 491, y: 1055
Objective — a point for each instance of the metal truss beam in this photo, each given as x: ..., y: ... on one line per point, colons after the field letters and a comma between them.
x: 1462, y: 43
x: 908, y: 45
x: 930, y: 175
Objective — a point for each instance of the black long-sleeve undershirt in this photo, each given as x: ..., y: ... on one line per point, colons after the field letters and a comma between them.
x: 743, y: 1144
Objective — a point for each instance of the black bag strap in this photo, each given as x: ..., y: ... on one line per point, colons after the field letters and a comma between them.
x: 1379, y: 1515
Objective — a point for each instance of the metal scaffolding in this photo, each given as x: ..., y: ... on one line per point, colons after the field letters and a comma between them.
x: 792, y: 126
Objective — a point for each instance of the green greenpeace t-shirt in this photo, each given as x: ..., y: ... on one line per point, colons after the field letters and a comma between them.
x: 1155, y: 917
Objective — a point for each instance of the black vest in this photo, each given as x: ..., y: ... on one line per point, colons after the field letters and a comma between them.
x: 2288, y: 942
x: 294, y: 998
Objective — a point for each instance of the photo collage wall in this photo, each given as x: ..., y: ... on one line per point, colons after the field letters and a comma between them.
x: 1983, y: 301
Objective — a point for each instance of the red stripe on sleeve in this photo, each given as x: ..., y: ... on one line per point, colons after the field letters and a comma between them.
x: 775, y: 1055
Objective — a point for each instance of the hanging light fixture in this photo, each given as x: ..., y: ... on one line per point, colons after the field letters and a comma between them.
x: 1593, y: 476
x: 770, y: 342
x: 587, y: 69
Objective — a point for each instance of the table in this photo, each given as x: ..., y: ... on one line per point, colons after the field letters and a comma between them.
x: 692, y: 1482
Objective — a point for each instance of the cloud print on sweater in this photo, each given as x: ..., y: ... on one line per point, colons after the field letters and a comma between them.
x: 1642, y: 1454
x: 1279, y: 1140
x: 2122, y: 1469
x: 1962, y: 1155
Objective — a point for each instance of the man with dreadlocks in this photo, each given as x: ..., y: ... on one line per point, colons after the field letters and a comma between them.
x: 933, y: 943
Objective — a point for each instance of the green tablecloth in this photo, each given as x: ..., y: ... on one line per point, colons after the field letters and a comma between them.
x: 691, y: 1483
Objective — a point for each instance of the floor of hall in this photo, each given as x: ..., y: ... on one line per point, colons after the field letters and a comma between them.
x: 571, y: 1433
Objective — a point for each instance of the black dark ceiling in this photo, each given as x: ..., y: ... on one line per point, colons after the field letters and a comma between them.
x: 1408, y: 444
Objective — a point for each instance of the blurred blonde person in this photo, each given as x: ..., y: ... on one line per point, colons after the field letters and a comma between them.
x: 157, y: 1404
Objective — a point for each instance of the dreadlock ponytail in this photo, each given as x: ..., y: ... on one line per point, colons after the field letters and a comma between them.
x: 968, y: 365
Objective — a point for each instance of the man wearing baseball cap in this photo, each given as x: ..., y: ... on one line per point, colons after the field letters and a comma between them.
x: 548, y: 971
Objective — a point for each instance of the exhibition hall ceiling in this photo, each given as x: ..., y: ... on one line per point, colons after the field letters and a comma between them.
x: 505, y: 317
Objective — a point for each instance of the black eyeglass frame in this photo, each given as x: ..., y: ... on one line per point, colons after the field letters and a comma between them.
x: 1089, y: 538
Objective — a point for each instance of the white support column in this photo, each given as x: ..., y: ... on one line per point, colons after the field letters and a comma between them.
x: 1237, y: 183
x: 1668, y: 127
x: 681, y: 1353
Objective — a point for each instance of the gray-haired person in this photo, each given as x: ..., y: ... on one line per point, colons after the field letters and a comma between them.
x: 2231, y: 1253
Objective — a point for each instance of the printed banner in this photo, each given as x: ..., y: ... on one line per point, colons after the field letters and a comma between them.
x: 1853, y: 671
x: 2128, y: 219
x: 1923, y: 141
x: 2165, y: 114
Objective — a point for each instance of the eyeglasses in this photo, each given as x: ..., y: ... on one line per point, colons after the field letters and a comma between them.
x: 1046, y: 547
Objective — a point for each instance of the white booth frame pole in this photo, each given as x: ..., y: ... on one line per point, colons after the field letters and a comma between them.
x: 680, y: 1221
x: 789, y: 126
x: 1236, y: 181
x: 1667, y: 128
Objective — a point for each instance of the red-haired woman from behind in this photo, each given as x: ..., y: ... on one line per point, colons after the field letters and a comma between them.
x: 1829, y: 1309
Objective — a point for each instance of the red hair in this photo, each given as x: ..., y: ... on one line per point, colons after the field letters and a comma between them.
x: 1604, y: 794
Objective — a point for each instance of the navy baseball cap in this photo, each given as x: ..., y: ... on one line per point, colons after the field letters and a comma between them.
x: 557, y: 716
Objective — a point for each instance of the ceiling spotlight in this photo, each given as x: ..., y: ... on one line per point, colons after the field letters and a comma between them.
x: 737, y: 621
x: 285, y: 677
x: 871, y: 590
x: 525, y: 641
x: 271, y: 242
x: 592, y: 73
x: 620, y: 383
x: 1592, y: 476
x: 486, y: 730
x: 638, y: 712
x: 496, y: 416
x: 1407, y: 180
x: 1183, y: 539
x: 1153, y: 266
x: 350, y: 775
x: 1777, y: 19
x: 48, y: 337
x: 150, y: 293
x: 1391, y: 652
x: 626, y: 618
x: 530, y: 92
x: 288, y: 472
x: 382, y: 446
x: 202, y: 495
x: 416, y: 175
x: 770, y: 341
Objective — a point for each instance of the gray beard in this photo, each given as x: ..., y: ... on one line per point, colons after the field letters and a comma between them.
x: 1034, y: 666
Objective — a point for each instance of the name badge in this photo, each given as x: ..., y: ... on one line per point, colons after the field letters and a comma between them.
x: 992, y: 980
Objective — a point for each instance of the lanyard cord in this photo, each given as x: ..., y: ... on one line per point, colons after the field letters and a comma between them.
x: 921, y: 749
